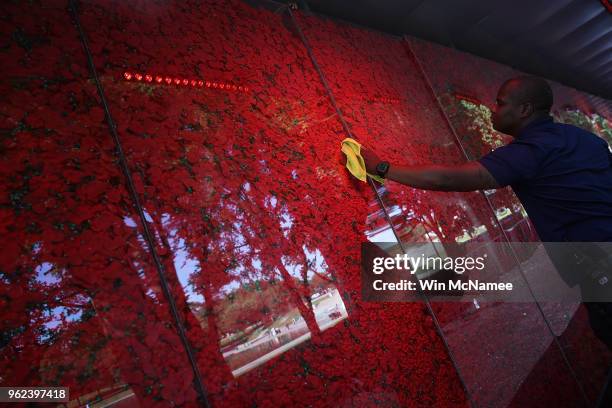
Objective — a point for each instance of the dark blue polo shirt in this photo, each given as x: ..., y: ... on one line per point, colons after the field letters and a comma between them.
x: 563, y: 176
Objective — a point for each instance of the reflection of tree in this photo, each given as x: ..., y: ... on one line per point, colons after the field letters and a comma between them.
x: 168, y: 251
x: 234, y: 207
x: 574, y: 117
x: 75, y: 313
x: 472, y: 122
x: 594, y: 123
x: 235, y: 232
x: 479, y: 121
x: 602, y: 127
x: 77, y: 292
x: 236, y: 309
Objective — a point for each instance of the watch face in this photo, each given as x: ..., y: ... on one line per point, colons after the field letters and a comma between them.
x: 382, y: 168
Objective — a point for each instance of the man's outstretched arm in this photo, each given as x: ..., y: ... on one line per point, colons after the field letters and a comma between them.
x: 465, y: 177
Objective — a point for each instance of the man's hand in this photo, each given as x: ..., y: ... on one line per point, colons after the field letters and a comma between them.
x: 371, y: 160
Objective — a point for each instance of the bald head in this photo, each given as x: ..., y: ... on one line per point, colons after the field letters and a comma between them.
x: 521, y: 100
x: 530, y: 89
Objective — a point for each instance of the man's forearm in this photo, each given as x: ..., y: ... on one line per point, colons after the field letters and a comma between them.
x: 424, y: 177
x: 467, y: 177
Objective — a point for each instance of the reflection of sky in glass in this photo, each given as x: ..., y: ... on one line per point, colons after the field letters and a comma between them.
x: 44, y: 274
x: 147, y: 216
x: 242, y: 273
x: 394, y: 210
x: 384, y: 235
x: 129, y: 222
x: 57, y: 316
x: 286, y: 222
x: 285, y: 219
x: 184, y: 264
x: 294, y: 270
x: 316, y: 262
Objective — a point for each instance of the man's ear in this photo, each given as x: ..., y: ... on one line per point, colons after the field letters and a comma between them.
x: 527, y: 109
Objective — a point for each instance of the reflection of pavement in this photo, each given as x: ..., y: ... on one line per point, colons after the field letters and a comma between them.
x: 270, y: 355
x: 266, y: 337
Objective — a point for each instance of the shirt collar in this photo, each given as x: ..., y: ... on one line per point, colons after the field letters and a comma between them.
x: 535, y: 124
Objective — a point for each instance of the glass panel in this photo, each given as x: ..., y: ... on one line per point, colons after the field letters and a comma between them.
x: 389, y: 107
x: 256, y: 220
x: 81, y: 302
x: 466, y: 101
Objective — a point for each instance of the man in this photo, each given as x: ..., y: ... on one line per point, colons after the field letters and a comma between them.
x: 561, y: 174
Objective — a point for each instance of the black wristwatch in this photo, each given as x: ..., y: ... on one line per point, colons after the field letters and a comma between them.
x: 382, y: 168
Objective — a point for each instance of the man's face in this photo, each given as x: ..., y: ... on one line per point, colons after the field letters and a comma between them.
x: 506, y: 115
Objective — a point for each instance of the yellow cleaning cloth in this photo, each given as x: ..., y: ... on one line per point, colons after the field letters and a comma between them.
x: 354, y: 162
